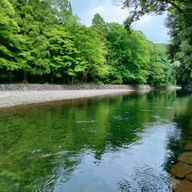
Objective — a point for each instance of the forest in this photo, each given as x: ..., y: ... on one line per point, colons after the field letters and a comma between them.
x: 42, y: 41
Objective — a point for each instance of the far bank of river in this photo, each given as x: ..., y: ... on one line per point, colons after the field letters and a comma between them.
x: 23, y: 94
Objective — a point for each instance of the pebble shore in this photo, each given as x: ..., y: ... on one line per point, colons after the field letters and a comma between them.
x: 14, y: 98
x: 24, y: 94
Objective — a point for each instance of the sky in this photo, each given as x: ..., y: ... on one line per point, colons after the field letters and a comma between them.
x: 152, y: 26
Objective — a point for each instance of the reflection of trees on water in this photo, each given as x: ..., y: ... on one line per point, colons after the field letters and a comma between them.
x: 37, y: 146
x: 184, y: 120
x: 183, y: 123
x: 145, y: 180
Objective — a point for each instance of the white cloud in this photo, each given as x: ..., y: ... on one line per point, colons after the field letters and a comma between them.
x: 110, y: 13
x: 152, y: 26
x: 145, y: 20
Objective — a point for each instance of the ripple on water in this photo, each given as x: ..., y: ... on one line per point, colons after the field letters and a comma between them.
x: 146, y: 181
x: 86, y: 121
x: 119, y: 117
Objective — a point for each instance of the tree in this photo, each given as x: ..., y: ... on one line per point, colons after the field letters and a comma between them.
x: 179, y: 23
x: 33, y: 17
x: 92, y: 50
x: 99, y: 26
x: 42, y: 40
x: 62, y: 10
x: 65, y: 60
x: 140, y: 8
x: 180, y: 48
x: 128, y: 55
x: 9, y: 39
x: 160, y: 68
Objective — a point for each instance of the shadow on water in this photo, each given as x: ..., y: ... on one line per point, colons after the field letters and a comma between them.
x: 122, y: 143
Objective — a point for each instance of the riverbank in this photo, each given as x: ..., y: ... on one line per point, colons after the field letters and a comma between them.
x: 182, y: 170
x: 24, y: 94
x: 15, y: 98
x: 37, y: 87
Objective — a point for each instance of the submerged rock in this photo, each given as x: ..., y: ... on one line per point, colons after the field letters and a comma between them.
x: 183, y: 186
x: 189, y: 177
x: 180, y: 170
x: 186, y: 157
x: 188, y: 146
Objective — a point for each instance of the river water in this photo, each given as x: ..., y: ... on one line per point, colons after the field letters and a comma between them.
x: 123, y: 143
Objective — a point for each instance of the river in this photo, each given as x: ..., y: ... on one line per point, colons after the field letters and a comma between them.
x: 123, y: 143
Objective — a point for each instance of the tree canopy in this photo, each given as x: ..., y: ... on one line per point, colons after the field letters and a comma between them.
x: 179, y: 23
x: 42, y: 41
x: 139, y: 8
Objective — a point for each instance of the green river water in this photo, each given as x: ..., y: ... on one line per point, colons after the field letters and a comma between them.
x: 123, y: 143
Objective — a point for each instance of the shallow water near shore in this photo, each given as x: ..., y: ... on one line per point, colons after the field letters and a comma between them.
x: 124, y: 143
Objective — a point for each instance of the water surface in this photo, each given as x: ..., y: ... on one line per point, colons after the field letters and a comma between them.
x: 116, y: 144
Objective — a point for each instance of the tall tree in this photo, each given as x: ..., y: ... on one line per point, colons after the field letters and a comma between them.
x: 179, y: 22
x: 33, y: 17
x: 181, y: 45
x: 92, y: 49
x: 62, y: 10
x: 160, y: 68
x: 138, y: 8
x: 9, y: 40
x: 42, y: 40
x: 128, y: 55
x: 99, y: 26
x: 65, y: 60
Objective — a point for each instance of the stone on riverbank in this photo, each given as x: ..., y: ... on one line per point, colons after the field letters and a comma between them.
x: 186, y: 157
x: 189, y: 177
x: 180, y: 170
x: 183, y: 186
x: 188, y: 146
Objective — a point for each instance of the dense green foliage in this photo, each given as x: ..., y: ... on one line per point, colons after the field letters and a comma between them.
x: 180, y: 48
x: 180, y: 24
x: 42, y: 41
x: 143, y: 7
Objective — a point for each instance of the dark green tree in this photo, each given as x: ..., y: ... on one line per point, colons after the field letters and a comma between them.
x: 128, y: 55
x: 9, y: 40
x: 65, y: 60
x: 99, y: 26
x: 139, y: 8
x: 180, y: 48
x: 160, y: 68
x: 41, y: 40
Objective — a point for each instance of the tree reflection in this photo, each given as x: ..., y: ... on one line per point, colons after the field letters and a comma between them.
x: 41, y: 147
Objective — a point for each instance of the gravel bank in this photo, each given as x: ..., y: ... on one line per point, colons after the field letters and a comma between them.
x: 48, y: 87
x: 14, y: 98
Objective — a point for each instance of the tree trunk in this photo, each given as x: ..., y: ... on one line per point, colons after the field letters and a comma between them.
x: 85, y: 77
x: 25, y: 77
x: 52, y: 77
x: 10, y: 77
